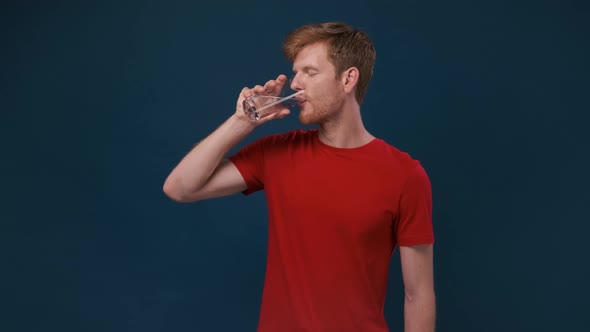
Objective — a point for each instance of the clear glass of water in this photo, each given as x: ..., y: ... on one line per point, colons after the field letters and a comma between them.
x: 260, y: 106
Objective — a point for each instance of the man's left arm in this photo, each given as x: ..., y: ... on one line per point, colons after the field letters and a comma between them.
x: 417, y: 273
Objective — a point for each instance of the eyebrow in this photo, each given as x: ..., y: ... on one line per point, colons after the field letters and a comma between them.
x: 306, y: 69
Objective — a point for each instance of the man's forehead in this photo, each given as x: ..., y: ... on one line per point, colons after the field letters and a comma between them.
x: 310, y: 57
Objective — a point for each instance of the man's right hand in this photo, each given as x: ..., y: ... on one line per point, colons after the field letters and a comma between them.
x: 271, y: 88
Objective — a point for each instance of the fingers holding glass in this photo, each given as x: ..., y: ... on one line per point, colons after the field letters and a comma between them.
x: 273, y: 100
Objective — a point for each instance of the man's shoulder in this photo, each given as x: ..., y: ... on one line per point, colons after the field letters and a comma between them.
x: 397, y: 154
x: 399, y: 158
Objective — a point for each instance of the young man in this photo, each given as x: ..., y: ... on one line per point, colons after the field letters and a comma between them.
x: 340, y: 200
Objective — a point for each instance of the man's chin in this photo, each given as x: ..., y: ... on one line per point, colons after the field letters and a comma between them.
x: 306, y: 119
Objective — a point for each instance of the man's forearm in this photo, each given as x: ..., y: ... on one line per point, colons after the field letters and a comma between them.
x: 196, y: 167
x: 420, y: 313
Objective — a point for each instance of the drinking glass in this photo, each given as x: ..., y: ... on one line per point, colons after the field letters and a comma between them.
x: 259, y: 106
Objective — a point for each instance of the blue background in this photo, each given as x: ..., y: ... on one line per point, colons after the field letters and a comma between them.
x: 100, y: 100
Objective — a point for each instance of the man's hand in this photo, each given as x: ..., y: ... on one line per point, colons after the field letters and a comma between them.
x: 270, y: 88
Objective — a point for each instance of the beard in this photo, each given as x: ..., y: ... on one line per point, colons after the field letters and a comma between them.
x: 321, y: 109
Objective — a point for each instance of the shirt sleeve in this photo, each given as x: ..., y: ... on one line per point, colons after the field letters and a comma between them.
x: 249, y: 161
x: 415, y: 209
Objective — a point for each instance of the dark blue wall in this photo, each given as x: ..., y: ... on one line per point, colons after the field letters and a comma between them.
x: 100, y: 100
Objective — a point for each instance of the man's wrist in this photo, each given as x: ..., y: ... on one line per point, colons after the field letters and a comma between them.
x: 241, y: 124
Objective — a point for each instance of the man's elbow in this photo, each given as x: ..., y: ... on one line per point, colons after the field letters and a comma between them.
x: 175, y: 192
x: 419, y: 294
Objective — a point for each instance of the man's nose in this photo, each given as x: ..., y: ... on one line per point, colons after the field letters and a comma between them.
x: 295, y: 84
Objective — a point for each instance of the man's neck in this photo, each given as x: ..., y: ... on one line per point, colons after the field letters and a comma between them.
x: 346, y: 129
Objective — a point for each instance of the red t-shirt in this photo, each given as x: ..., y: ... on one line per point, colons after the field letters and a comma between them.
x: 335, y: 217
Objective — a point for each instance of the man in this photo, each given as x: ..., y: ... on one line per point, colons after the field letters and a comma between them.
x: 340, y: 200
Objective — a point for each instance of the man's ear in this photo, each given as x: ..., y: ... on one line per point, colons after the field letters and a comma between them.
x: 350, y: 79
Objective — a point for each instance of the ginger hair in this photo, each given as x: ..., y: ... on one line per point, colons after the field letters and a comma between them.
x: 347, y: 47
